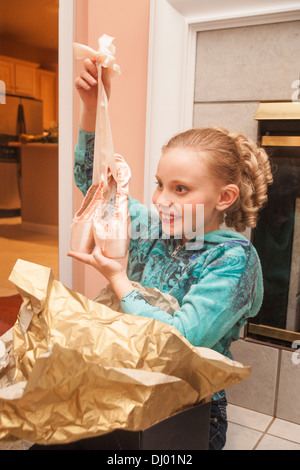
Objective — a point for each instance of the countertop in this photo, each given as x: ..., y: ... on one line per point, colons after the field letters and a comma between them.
x: 33, y: 144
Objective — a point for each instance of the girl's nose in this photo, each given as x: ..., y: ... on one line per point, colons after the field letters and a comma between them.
x: 162, y: 200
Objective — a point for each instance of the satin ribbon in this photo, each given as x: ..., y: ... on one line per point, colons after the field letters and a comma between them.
x: 104, y: 157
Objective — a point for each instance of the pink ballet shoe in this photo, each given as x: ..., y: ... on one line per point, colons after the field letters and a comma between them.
x: 82, y: 236
x: 111, y: 219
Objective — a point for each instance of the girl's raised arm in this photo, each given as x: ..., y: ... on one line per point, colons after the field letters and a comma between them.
x: 87, y: 86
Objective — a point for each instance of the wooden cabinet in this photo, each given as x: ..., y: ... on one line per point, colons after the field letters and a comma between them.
x: 27, y: 79
x: 39, y: 186
x: 7, y: 75
x: 19, y: 76
x: 46, y: 91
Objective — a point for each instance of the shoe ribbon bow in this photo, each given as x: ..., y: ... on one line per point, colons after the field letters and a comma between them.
x: 104, y: 157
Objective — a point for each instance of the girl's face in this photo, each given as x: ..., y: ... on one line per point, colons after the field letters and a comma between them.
x: 184, y: 188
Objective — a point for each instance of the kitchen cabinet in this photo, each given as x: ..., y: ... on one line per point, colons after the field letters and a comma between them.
x: 25, y: 79
x: 47, y: 92
x: 19, y: 76
x: 7, y: 75
x: 39, y: 186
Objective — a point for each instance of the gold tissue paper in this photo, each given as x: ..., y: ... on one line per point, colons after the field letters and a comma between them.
x: 76, y: 368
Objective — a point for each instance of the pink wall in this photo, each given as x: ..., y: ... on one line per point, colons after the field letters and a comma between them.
x: 128, y: 22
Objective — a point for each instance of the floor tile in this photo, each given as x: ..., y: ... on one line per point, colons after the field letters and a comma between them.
x: 256, y: 392
x: 241, y: 438
x: 275, y: 443
x: 288, y: 403
x: 249, y: 418
x: 285, y: 429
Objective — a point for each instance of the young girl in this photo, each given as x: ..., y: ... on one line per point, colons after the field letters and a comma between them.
x: 218, y: 284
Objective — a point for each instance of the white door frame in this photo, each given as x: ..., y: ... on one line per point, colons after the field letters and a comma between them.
x: 65, y: 145
x: 171, y: 67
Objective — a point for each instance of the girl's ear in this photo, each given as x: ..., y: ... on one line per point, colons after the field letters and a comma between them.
x: 228, y: 196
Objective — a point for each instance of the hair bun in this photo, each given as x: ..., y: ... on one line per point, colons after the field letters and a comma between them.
x: 256, y: 175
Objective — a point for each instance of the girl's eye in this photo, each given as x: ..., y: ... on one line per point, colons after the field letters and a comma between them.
x: 158, y: 184
x: 181, y: 189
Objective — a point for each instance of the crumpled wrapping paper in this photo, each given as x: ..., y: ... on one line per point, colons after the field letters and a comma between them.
x: 82, y: 369
x: 164, y: 301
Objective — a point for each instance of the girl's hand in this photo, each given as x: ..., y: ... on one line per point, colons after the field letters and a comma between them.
x: 113, y: 271
x: 109, y: 268
x: 87, y: 83
x: 87, y: 87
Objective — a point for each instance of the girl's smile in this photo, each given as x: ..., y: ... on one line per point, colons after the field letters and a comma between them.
x: 170, y: 216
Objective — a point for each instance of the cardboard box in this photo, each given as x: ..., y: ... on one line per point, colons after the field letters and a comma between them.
x: 188, y: 430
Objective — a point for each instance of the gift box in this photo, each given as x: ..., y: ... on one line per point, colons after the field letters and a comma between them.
x: 75, y: 369
x: 188, y: 430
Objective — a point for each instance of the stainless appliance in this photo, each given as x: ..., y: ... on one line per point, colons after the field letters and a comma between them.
x: 18, y: 115
x: 277, y: 234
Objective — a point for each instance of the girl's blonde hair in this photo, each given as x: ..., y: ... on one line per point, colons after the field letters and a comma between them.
x: 235, y: 160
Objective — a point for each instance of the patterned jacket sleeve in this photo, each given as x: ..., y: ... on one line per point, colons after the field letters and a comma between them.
x: 83, y: 160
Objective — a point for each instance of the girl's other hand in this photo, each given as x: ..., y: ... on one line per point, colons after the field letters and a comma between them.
x: 111, y: 269
x: 108, y: 267
x: 87, y: 83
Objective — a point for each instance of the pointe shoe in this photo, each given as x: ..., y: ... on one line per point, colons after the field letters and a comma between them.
x: 82, y: 236
x: 111, y: 219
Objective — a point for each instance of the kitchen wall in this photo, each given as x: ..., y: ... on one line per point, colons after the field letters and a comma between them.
x: 29, y: 30
x: 47, y: 58
x: 128, y: 22
x: 237, y: 68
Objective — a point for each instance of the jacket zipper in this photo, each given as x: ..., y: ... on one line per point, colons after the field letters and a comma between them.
x: 176, y: 251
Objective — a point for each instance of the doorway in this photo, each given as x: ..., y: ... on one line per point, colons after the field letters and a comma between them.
x: 29, y: 65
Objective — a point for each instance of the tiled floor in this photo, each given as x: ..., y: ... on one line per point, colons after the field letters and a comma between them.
x: 250, y: 430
